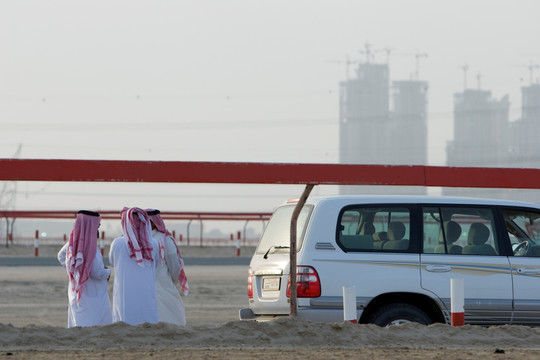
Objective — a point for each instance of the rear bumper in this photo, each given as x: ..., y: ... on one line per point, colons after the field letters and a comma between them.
x: 315, y: 315
x: 248, y: 314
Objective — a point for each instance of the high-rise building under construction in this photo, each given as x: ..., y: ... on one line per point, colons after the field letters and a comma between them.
x: 484, y: 136
x: 526, y: 147
x: 481, y: 130
x: 373, y: 133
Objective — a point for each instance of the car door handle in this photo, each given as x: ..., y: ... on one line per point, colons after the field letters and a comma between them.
x: 528, y: 271
x: 438, y: 268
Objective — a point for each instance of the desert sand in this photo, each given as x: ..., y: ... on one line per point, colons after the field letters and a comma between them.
x: 33, y: 311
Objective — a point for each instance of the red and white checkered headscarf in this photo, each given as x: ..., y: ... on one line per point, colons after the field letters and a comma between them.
x: 82, y: 247
x: 137, y: 232
x: 160, y: 226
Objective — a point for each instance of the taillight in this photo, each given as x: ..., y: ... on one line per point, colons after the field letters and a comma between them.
x: 250, y: 284
x: 307, y: 283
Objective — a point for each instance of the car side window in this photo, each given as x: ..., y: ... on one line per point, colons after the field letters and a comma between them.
x: 459, y: 231
x: 431, y: 220
x: 374, y: 229
x: 523, y: 227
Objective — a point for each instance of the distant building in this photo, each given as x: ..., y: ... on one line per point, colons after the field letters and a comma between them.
x: 482, y: 137
x: 370, y: 133
x: 409, y: 123
x: 526, y: 146
x: 481, y: 130
x: 364, y: 115
x: 374, y: 132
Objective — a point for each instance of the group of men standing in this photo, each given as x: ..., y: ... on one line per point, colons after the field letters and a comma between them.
x: 147, y: 265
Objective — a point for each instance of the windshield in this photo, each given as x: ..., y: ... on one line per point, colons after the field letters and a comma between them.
x: 278, y: 232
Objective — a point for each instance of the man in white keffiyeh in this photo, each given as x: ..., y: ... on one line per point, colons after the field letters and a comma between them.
x: 170, y: 270
x: 134, y: 257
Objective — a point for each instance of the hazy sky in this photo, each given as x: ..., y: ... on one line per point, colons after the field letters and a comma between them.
x: 229, y: 80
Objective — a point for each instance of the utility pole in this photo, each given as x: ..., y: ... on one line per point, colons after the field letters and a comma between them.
x: 8, y: 195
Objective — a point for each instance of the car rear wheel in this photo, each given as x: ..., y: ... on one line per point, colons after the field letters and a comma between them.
x: 395, y: 314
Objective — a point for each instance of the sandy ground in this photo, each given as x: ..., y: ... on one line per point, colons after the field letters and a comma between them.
x: 33, y: 303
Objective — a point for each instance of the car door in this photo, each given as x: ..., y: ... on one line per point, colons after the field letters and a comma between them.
x: 462, y: 242
x: 523, y: 228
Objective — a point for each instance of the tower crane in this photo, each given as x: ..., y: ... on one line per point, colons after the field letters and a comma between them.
x: 531, y: 67
x: 387, y: 51
x: 479, y: 77
x: 465, y: 68
x: 417, y: 56
x: 367, y: 52
x: 531, y: 71
x: 348, y: 62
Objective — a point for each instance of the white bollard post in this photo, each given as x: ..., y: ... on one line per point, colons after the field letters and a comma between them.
x: 457, y: 302
x: 349, y: 304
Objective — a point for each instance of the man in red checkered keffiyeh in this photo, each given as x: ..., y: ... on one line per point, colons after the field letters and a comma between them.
x: 135, y: 257
x: 170, y: 270
x: 137, y: 233
x: 89, y: 303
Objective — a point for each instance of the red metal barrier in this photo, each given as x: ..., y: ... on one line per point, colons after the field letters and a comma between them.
x: 115, y: 214
x: 265, y: 173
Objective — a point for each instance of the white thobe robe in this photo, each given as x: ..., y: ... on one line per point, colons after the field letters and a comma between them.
x: 134, y: 288
x: 94, y: 307
x: 170, y: 306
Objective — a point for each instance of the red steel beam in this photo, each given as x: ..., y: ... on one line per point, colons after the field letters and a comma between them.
x: 265, y: 173
x: 225, y: 216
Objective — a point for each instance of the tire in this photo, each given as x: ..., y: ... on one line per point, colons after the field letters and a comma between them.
x: 399, y: 313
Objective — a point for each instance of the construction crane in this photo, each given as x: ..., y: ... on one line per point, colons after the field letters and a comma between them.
x: 417, y: 56
x: 479, y: 77
x: 367, y: 52
x: 348, y: 62
x: 531, y: 67
x: 387, y: 51
x: 465, y: 68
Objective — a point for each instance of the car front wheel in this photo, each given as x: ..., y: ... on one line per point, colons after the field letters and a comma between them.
x: 395, y: 314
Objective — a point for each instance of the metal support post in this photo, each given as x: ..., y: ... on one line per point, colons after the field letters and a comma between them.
x: 292, y: 270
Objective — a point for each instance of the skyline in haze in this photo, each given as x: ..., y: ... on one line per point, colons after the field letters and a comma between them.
x: 230, y: 81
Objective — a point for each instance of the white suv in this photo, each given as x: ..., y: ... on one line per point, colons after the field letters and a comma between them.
x: 400, y: 253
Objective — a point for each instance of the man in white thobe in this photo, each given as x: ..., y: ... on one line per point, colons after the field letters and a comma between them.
x: 89, y: 303
x: 133, y: 257
x: 170, y: 271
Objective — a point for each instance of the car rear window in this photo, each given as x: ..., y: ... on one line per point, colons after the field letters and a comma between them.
x: 277, y: 235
